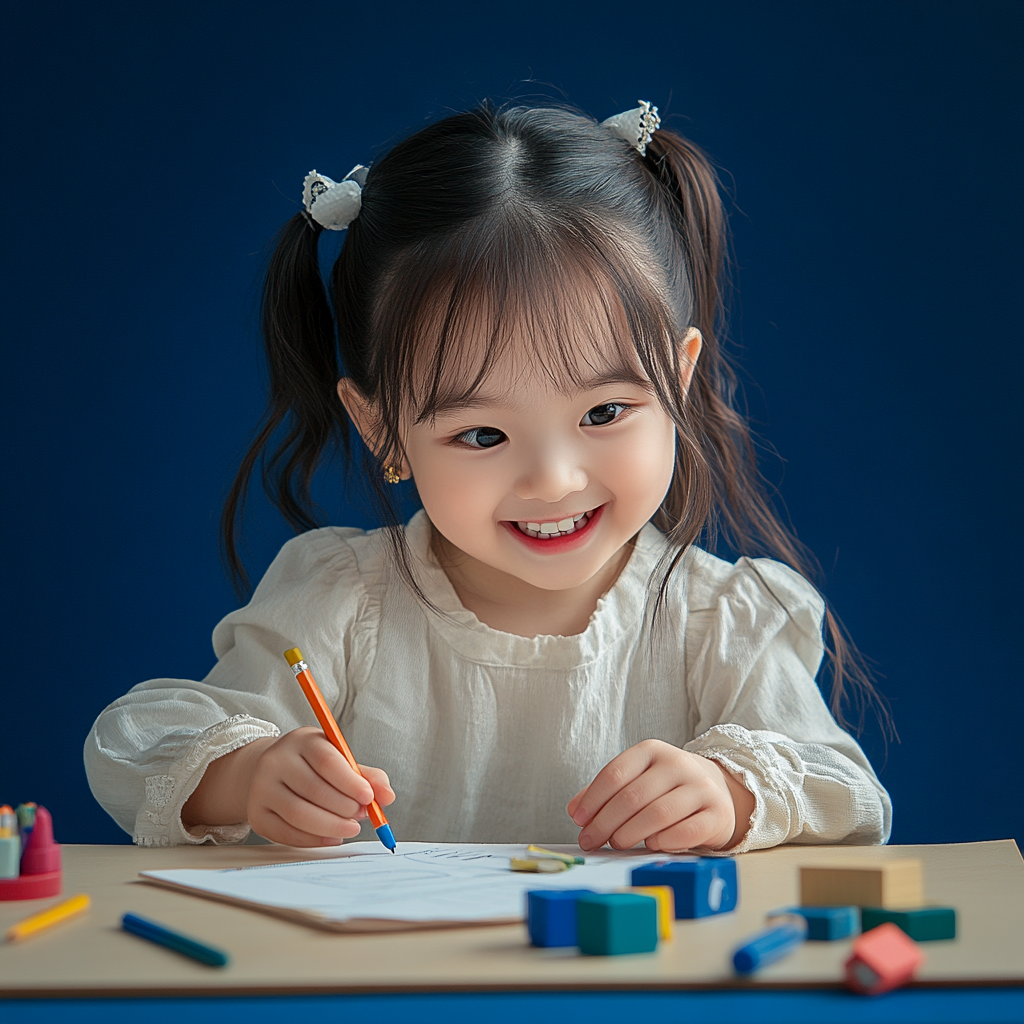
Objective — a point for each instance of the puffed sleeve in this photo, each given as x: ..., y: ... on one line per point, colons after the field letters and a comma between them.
x: 754, y: 646
x: 147, y: 751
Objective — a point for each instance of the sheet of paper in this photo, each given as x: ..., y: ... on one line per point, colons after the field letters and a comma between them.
x: 422, y: 882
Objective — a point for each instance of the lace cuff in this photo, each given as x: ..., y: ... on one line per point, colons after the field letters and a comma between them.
x: 158, y: 822
x: 748, y: 755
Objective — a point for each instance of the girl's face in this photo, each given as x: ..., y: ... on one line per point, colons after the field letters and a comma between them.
x: 540, y: 484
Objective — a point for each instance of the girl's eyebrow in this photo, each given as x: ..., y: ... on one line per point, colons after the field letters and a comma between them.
x: 459, y: 403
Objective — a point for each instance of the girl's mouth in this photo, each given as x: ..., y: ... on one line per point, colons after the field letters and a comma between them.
x: 553, y: 537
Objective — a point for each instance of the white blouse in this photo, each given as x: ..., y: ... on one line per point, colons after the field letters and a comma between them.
x: 486, y: 735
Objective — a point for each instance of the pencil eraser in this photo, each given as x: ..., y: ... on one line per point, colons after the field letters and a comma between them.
x: 551, y: 916
x: 615, y: 923
x: 891, y: 883
x: 702, y: 885
x: 41, y: 854
x: 829, y: 924
x: 882, y: 959
x: 922, y: 924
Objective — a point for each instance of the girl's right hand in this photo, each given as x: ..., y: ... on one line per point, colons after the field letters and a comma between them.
x: 302, y: 792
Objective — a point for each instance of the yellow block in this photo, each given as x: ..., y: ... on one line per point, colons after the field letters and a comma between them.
x: 666, y: 897
x: 893, y: 884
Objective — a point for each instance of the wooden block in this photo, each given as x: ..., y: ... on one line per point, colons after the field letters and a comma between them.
x: 610, y: 924
x: 828, y: 924
x: 666, y: 898
x: 551, y: 916
x: 924, y: 924
x: 701, y: 885
x: 882, y: 959
x: 889, y: 884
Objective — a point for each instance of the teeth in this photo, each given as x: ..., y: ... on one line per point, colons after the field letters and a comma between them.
x: 562, y: 528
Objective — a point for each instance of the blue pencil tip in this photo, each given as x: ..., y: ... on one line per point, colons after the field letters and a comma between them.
x: 385, y: 836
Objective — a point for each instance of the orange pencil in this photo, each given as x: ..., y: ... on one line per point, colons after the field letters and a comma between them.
x: 333, y: 733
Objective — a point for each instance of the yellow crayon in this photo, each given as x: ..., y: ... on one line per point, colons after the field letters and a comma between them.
x: 545, y: 866
x: 46, y: 918
x: 566, y: 858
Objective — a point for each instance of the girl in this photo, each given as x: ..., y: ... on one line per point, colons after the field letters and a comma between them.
x: 525, y: 309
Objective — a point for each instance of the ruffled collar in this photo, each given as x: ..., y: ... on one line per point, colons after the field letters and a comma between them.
x: 616, y: 618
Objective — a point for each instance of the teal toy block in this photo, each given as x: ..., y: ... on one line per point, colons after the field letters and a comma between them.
x: 922, y: 924
x: 702, y: 885
x: 551, y: 916
x: 829, y: 924
x: 610, y: 924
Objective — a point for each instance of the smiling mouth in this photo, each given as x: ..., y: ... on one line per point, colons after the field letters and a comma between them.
x: 550, y: 530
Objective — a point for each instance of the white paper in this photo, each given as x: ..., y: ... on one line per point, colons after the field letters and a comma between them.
x: 422, y: 882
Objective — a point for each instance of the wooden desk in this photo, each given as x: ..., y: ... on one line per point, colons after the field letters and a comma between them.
x: 91, y: 956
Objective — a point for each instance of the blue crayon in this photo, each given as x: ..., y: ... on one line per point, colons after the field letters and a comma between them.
x: 772, y: 944
x: 183, y: 944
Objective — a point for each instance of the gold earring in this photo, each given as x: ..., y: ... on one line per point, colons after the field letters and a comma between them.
x: 391, y: 475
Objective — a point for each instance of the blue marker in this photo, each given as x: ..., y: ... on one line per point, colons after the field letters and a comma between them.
x: 787, y: 932
x: 162, y: 936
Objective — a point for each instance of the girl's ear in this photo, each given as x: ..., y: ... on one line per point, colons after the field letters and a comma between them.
x: 692, y: 344
x: 364, y: 416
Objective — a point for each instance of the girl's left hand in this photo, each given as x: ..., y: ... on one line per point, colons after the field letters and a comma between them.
x: 665, y: 797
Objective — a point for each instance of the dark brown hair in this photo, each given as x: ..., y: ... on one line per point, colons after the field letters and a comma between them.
x: 531, y: 216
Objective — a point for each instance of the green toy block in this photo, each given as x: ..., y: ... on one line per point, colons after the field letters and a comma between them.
x: 923, y: 924
x: 609, y: 924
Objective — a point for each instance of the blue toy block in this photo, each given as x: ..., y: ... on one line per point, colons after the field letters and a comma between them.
x: 827, y: 924
x: 703, y: 885
x: 551, y: 916
x: 609, y: 924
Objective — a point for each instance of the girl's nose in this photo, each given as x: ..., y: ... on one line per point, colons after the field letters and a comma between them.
x: 551, y: 475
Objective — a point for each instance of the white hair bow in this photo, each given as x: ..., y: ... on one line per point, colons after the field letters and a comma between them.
x: 334, y: 204
x: 636, y: 126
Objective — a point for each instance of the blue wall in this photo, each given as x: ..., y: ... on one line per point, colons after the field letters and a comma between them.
x: 874, y: 151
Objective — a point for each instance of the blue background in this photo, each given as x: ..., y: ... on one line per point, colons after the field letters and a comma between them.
x: 873, y: 154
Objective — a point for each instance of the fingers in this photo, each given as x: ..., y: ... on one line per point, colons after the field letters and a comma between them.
x: 381, y: 785
x: 618, y: 773
x: 701, y: 829
x: 657, y: 793
x: 303, y: 791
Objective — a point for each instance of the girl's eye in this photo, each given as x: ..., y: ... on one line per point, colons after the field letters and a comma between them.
x: 602, y: 414
x: 481, y: 437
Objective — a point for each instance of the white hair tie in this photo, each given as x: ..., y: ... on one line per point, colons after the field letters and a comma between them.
x: 636, y: 126
x: 334, y: 204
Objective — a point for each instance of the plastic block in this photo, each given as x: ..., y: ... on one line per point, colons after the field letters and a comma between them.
x: 882, y: 959
x: 610, y: 924
x: 702, y: 885
x: 892, y: 883
x: 551, y: 916
x: 666, y: 898
x: 828, y: 924
x: 922, y: 924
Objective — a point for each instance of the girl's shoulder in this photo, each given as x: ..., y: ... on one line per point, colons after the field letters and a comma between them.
x: 325, y: 559
x: 749, y: 588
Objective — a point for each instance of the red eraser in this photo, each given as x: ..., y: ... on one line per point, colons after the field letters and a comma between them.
x: 882, y: 959
x: 41, y: 854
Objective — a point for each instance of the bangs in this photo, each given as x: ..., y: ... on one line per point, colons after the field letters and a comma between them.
x: 524, y: 301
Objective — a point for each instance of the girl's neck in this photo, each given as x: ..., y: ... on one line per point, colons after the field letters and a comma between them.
x: 511, y: 605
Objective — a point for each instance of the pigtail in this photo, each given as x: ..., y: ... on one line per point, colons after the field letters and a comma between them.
x: 718, y: 488
x: 298, y: 338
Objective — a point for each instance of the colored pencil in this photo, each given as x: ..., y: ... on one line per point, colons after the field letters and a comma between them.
x: 183, y: 944
x: 333, y: 733
x: 47, y: 918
